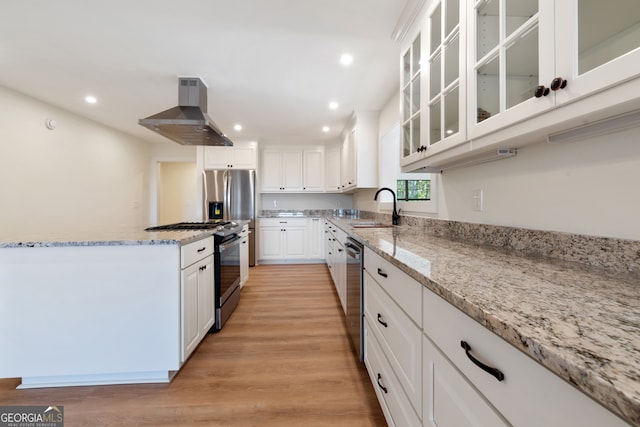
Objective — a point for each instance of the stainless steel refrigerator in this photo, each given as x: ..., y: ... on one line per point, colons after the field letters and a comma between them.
x: 231, y: 195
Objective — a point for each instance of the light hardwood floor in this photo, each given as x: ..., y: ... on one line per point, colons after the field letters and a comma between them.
x: 283, y: 359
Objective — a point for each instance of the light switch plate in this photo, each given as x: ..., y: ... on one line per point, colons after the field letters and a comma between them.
x: 478, y: 200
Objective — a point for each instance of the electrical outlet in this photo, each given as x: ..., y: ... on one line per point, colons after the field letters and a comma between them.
x: 478, y: 200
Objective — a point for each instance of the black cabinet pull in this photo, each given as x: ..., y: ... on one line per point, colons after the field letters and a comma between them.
x: 340, y: 250
x: 541, y: 91
x: 382, y: 322
x: 382, y: 273
x: 558, y: 83
x: 200, y: 250
x: 493, y: 371
x: 380, y: 385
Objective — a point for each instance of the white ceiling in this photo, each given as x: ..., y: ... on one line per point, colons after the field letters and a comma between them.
x: 271, y: 65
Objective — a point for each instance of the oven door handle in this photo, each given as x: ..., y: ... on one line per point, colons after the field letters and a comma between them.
x: 233, y: 242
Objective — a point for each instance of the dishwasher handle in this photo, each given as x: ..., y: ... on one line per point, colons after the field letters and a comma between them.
x: 353, y: 251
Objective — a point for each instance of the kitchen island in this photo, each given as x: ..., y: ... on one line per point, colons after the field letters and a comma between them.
x: 582, y: 323
x: 91, y: 308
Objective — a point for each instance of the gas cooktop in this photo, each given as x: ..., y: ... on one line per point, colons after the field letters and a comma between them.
x: 187, y: 226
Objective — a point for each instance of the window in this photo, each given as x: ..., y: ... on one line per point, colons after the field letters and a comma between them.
x: 413, y: 189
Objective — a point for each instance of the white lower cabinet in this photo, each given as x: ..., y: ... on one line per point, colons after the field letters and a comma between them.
x: 282, y: 239
x: 197, y: 294
x: 244, y: 255
x: 421, y: 370
x: 393, y: 400
x: 449, y: 400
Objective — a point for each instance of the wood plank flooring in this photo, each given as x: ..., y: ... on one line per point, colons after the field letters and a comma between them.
x: 283, y: 359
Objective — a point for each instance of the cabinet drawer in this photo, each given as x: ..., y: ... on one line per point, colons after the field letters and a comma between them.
x: 195, y: 251
x: 398, y: 336
x: 283, y: 222
x: 397, y: 410
x: 529, y: 395
x: 405, y: 291
x: 449, y: 400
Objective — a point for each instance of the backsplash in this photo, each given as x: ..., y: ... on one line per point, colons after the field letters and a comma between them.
x: 614, y: 255
x: 617, y: 256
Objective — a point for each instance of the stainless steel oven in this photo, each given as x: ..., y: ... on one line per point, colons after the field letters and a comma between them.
x: 227, y: 277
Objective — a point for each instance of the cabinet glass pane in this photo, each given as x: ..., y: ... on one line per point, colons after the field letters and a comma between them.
x: 522, y: 68
x: 415, y: 94
x: 406, y: 103
x: 434, y: 123
x: 406, y: 67
x: 415, y: 56
x: 452, y: 16
x: 487, y: 27
x: 406, y: 139
x: 434, y: 76
x: 518, y: 12
x: 436, y: 28
x: 451, y: 61
x: 606, y: 30
x: 451, y: 108
x: 415, y: 133
x: 488, y: 90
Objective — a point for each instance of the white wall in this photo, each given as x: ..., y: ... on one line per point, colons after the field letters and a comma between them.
x: 80, y: 176
x: 178, y: 193
x: 586, y: 187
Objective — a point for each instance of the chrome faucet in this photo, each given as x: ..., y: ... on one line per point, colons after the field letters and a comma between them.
x: 395, y: 216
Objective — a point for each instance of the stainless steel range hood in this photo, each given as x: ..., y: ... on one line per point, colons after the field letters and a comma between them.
x: 188, y: 123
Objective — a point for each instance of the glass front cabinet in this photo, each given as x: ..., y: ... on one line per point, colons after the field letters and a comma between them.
x: 478, y: 67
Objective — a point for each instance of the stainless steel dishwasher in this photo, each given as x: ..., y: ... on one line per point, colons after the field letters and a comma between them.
x: 355, y: 252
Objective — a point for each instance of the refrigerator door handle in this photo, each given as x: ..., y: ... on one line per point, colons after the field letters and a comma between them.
x: 227, y: 195
x: 205, y: 202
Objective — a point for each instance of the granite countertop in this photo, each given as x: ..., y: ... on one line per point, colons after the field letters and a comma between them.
x: 580, y: 322
x: 112, y: 237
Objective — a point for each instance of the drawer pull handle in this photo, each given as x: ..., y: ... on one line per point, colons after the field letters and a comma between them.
x: 380, y: 385
x: 493, y: 371
x: 200, y: 250
x: 382, y: 273
x: 382, y: 322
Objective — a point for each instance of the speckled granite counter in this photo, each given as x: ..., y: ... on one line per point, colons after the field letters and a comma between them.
x: 133, y: 236
x: 581, y: 323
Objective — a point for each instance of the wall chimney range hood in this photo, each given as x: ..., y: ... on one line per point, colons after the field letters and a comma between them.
x: 188, y: 123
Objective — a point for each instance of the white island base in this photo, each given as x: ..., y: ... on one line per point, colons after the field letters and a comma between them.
x: 90, y: 315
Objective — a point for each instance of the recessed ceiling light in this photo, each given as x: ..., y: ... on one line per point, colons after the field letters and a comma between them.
x: 333, y: 105
x: 449, y: 131
x: 238, y: 127
x: 90, y: 99
x: 346, y: 59
x: 325, y: 129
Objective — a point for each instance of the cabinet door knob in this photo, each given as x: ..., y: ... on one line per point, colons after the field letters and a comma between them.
x: 493, y: 371
x: 558, y: 83
x: 541, y: 91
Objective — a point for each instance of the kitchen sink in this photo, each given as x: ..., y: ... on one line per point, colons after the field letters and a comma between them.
x: 370, y: 224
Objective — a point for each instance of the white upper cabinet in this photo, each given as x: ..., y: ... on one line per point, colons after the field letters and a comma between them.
x: 332, y: 169
x: 359, y: 163
x: 445, y: 114
x: 482, y: 75
x: 528, y: 57
x: 281, y: 170
x: 240, y: 156
x: 313, y: 169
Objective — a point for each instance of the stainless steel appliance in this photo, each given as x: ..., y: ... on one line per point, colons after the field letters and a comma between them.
x: 188, y: 123
x: 355, y: 305
x: 230, y: 195
x: 226, y: 260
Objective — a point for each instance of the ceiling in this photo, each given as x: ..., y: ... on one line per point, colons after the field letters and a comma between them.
x: 272, y: 66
